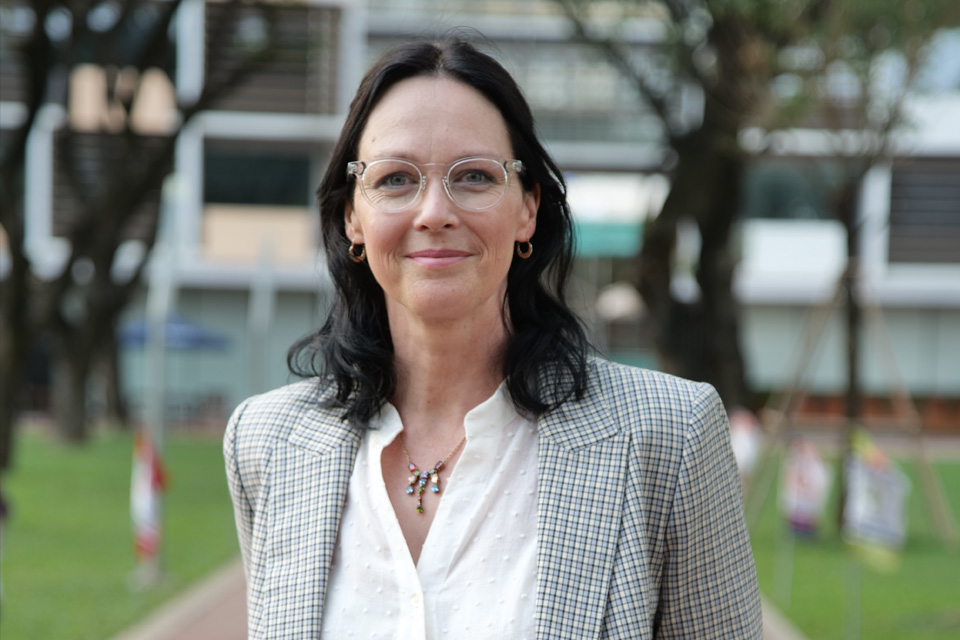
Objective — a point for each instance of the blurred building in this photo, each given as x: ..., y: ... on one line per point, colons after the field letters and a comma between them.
x: 792, y: 252
x: 240, y: 218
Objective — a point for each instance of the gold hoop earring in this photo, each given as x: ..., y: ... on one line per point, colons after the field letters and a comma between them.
x: 525, y: 253
x: 353, y: 256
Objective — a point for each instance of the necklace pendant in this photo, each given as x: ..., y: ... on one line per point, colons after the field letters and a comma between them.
x: 418, y: 479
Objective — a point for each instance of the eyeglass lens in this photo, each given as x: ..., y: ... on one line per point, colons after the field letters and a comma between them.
x: 474, y: 183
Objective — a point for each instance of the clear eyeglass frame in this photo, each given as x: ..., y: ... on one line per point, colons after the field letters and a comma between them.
x: 358, y: 169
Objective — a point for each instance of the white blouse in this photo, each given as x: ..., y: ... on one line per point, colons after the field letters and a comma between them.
x: 477, y: 573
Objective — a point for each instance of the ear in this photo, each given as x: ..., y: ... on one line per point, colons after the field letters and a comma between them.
x: 351, y: 223
x: 527, y: 224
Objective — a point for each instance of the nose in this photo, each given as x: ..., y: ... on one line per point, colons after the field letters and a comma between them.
x: 435, y: 210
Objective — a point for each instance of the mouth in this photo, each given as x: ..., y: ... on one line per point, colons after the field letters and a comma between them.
x: 438, y: 257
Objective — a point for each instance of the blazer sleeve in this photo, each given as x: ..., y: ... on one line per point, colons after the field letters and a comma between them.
x: 242, y: 504
x: 709, y: 587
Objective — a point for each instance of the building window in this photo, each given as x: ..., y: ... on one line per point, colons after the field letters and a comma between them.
x: 789, y: 189
x: 259, y: 204
x: 925, y: 211
x: 269, y: 178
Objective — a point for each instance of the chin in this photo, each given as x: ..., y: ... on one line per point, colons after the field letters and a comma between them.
x: 442, y: 304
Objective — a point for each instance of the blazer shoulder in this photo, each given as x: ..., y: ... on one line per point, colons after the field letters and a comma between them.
x: 643, y: 398
x: 263, y: 419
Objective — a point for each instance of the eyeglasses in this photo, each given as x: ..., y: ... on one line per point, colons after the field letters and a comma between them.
x: 472, y: 183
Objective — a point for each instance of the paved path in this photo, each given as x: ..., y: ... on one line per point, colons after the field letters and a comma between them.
x: 215, y: 610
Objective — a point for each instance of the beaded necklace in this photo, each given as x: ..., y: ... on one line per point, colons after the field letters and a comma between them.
x: 418, y: 479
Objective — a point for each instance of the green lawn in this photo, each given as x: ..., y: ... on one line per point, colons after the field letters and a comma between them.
x: 921, y: 601
x: 67, y: 549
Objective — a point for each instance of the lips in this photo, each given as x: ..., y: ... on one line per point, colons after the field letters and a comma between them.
x: 438, y: 257
x: 438, y: 253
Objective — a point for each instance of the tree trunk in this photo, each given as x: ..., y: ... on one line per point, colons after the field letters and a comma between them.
x: 701, y: 340
x: 653, y: 281
x: 71, y: 362
x: 676, y: 332
x: 12, y: 361
x: 109, y: 366
x: 721, y: 311
x: 16, y: 340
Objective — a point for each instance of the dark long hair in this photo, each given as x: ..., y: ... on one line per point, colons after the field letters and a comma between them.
x: 544, y: 363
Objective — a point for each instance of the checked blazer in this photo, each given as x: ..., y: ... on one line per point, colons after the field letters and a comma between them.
x: 640, y: 530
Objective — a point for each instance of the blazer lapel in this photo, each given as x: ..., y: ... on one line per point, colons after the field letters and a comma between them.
x: 581, y: 479
x: 318, y: 462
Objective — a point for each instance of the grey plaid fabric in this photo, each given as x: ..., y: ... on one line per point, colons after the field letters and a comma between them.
x: 640, y: 527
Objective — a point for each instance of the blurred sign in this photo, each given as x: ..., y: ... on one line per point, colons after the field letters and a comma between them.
x: 608, y: 239
x: 874, y: 517
x: 180, y: 333
x: 609, y: 210
x: 805, y: 487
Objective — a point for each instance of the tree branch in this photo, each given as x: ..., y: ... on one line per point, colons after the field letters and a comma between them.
x: 617, y: 57
x: 157, y: 42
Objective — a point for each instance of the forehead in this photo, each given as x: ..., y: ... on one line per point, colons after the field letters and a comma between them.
x: 434, y: 119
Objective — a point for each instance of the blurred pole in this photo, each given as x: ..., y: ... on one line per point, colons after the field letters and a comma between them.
x: 160, y: 304
x: 783, y: 565
x: 260, y: 318
x: 848, y: 214
x: 161, y: 300
x: 852, y: 597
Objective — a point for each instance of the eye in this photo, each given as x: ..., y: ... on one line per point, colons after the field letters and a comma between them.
x: 477, y: 176
x: 396, y: 180
x: 473, y: 178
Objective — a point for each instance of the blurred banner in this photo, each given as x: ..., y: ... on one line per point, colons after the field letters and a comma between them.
x: 805, y: 487
x: 148, y: 482
x: 874, y: 517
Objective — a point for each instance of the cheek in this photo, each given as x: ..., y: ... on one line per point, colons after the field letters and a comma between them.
x: 501, y: 250
x: 377, y: 232
x: 382, y: 244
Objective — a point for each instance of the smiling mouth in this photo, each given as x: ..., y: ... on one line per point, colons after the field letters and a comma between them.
x: 438, y: 257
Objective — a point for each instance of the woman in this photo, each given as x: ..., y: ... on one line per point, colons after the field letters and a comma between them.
x: 570, y: 497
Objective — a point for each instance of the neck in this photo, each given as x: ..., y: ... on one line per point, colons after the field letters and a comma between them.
x: 444, y: 370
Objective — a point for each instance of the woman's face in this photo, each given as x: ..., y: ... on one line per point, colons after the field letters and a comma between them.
x: 436, y: 260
